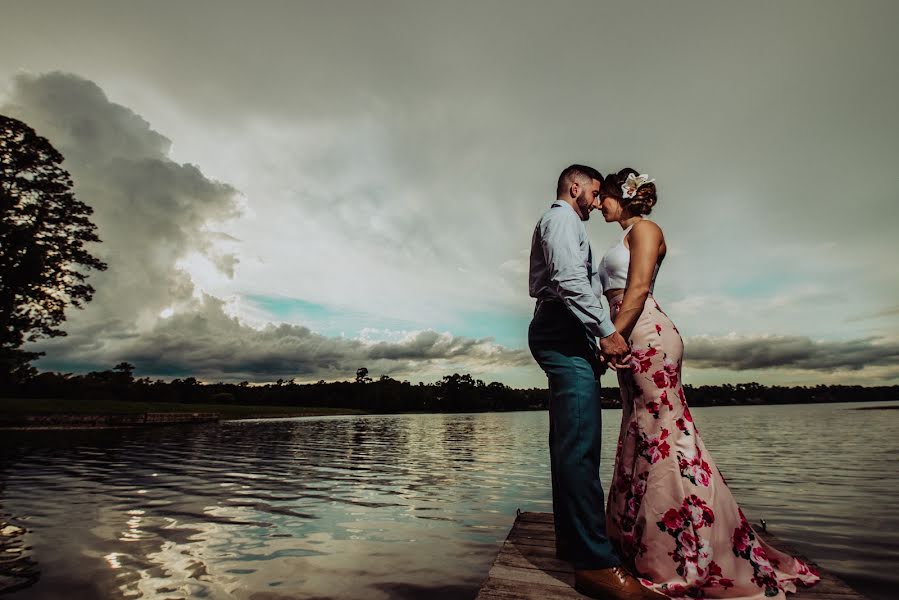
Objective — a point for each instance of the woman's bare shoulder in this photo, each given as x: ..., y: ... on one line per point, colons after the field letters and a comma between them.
x: 645, y: 230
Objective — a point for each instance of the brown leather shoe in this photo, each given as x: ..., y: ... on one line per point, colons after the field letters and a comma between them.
x: 614, y: 583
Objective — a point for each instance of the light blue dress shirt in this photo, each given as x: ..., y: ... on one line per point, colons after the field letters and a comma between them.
x: 562, y: 268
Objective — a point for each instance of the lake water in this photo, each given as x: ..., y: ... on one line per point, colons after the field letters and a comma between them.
x: 398, y: 506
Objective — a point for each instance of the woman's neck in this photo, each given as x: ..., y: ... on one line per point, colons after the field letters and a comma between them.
x: 626, y: 222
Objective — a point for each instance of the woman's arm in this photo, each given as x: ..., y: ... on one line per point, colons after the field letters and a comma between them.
x: 644, y: 240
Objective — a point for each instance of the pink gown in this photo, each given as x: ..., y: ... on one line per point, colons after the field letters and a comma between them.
x: 670, y: 512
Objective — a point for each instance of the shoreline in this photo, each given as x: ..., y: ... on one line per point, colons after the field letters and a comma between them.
x: 55, y: 422
x: 23, y: 414
x: 50, y: 420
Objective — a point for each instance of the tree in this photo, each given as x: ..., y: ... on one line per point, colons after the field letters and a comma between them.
x: 125, y: 368
x: 124, y: 373
x: 43, y: 232
x: 362, y: 375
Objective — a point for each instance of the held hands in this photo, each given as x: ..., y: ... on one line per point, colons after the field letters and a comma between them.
x: 614, y: 352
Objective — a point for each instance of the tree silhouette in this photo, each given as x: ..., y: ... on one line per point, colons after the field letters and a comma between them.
x: 43, y: 231
x: 125, y: 368
x: 362, y: 375
x: 124, y: 372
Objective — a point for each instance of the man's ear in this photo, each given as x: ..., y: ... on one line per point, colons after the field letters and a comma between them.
x: 574, y: 190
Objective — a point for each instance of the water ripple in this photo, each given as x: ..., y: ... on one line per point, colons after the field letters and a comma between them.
x: 399, y: 506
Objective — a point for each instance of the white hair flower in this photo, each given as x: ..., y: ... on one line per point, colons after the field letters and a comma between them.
x: 632, y: 184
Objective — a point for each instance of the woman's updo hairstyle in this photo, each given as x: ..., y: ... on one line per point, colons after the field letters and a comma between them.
x: 641, y: 203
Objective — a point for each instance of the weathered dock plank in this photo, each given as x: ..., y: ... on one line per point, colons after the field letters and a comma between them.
x: 526, y: 567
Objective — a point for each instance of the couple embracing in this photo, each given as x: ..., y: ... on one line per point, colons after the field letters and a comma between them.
x: 671, y: 528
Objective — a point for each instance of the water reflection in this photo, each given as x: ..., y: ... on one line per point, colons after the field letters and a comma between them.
x: 393, y: 506
x: 18, y: 569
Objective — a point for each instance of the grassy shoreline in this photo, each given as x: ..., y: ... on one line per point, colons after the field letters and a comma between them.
x: 14, y: 411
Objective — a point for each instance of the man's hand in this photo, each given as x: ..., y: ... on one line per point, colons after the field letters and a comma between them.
x: 614, y: 352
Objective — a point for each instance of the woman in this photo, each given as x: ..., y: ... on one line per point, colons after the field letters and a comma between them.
x: 670, y: 512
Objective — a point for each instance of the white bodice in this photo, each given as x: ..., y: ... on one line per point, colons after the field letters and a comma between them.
x: 612, y: 269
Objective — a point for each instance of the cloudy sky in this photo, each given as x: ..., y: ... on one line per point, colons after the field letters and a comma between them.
x: 298, y: 189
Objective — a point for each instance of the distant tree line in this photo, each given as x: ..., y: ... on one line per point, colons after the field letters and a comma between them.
x: 453, y: 393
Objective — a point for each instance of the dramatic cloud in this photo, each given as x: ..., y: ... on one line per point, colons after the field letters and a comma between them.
x: 391, y: 164
x: 789, y: 352
x: 152, y: 213
x: 208, y: 344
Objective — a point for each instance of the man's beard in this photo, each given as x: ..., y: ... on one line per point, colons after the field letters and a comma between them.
x: 584, y: 207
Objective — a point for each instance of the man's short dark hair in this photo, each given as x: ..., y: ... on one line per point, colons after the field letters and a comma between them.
x: 567, y: 177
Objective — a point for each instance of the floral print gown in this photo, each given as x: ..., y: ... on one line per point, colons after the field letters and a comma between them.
x: 670, y: 512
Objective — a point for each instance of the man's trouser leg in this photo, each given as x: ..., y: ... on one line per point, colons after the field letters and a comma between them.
x: 575, y: 437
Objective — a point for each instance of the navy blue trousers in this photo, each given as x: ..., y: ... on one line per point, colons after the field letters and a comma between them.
x: 559, y: 344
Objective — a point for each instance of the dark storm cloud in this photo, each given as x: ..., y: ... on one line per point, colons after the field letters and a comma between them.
x: 792, y: 352
x: 209, y: 344
x: 151, y: 212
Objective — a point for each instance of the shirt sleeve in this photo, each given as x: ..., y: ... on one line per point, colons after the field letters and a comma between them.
x: 560, y: 240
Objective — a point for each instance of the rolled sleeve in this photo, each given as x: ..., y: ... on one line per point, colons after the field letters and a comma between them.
x: 568, y: 276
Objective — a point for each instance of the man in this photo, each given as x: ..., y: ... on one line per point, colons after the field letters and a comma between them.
x: 569, y: 323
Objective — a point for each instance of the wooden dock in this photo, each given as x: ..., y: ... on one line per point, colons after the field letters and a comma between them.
x: 526, y: 567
